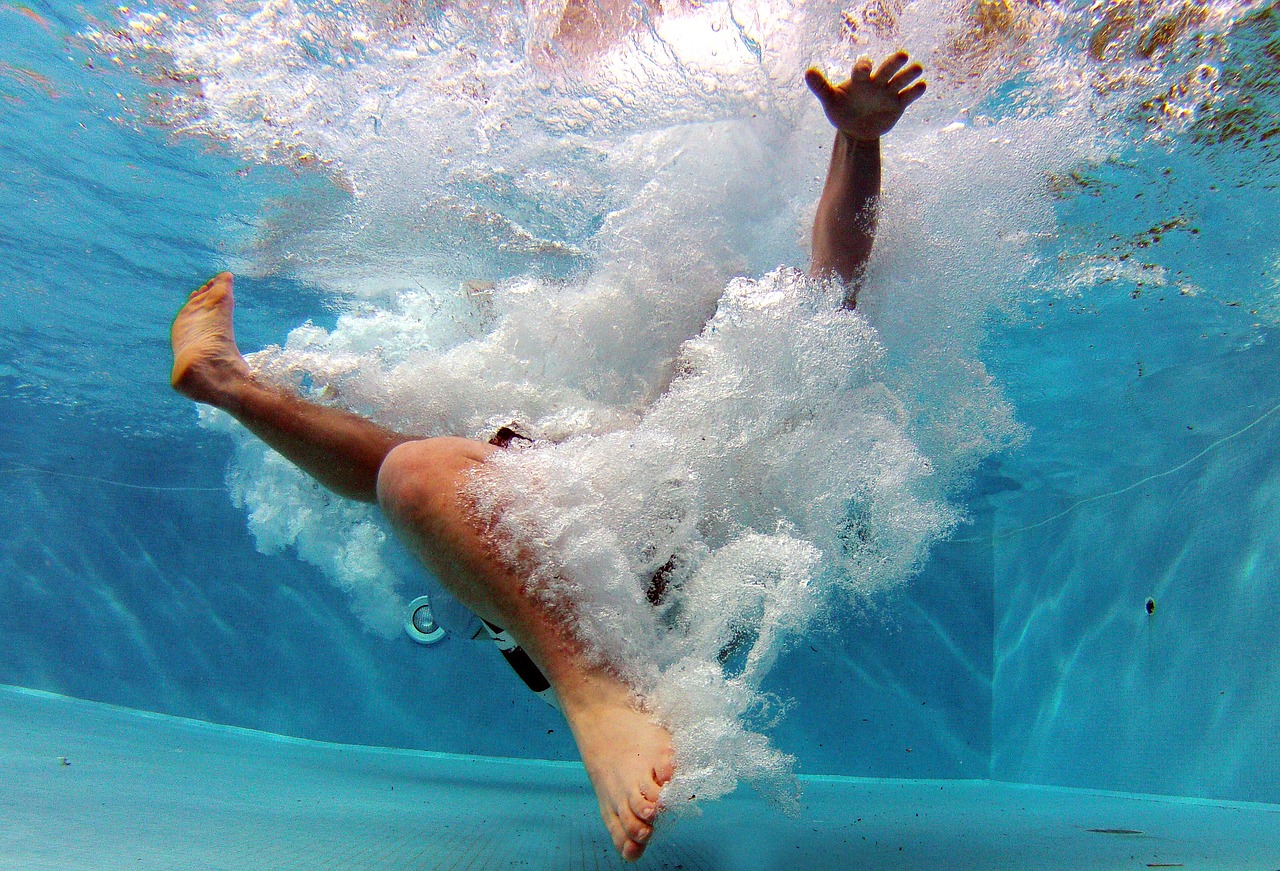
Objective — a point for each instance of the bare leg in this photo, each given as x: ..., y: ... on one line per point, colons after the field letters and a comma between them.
x: 421, y: 487
x: 341, y: 450
x: 422, y: 490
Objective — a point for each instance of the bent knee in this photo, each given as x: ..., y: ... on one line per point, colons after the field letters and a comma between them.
x: 408, y: 474
x: 416, y: 471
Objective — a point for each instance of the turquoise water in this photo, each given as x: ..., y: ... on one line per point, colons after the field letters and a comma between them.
x: 1074, y: 296
x: 160, y: 792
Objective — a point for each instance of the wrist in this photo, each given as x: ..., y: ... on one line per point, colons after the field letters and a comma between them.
x: 850, y: 145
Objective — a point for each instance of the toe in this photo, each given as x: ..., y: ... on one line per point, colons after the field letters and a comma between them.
x: 649, y: 790
x: 221, y: 280
x: 644, y: 804
x: 663, y: 772
x: 636, y: 830
x: 634, y: 816
x: 631, y: 851
x: 620, y: 839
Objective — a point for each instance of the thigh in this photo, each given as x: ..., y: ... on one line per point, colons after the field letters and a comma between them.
x: 422, y: 492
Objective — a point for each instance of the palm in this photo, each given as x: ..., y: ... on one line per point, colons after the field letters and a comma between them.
x: 868, y: 104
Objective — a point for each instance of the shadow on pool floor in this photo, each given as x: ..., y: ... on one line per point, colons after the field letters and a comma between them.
x: 147, y: 791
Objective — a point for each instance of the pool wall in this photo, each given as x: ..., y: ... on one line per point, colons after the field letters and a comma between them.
x: 1024, y: 651
x: 1029, y: 657
x: 1090, y: 687
x: 157, y: 599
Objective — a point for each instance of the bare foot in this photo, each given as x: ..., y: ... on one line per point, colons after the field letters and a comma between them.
x: 627, y: 755
x: 206, y: 361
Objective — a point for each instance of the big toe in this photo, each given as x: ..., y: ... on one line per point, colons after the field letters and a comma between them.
x: 220, y: 285
x: 664, y: 771
x: 628, y: 847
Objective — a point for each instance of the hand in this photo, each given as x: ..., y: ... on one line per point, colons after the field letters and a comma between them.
x: 869, y: 103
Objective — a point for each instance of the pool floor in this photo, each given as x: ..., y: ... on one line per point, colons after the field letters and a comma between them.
x: 89, y: 786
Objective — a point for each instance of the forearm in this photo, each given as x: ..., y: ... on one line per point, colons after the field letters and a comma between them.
x: 845, y: 225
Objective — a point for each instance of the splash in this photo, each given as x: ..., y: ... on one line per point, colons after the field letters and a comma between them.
x: 773, y: 474
x: 542, y: 214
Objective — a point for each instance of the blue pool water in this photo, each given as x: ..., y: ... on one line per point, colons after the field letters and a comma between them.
x: 1074, y: 296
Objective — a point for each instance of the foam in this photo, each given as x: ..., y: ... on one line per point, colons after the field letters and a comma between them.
x: 343, y: 539
x: 773, y: 475
x: 538, y: 229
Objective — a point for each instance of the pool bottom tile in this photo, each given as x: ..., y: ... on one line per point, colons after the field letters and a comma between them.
x: 89, y: 786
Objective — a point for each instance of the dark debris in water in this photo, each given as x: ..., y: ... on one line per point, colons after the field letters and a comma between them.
x: 1245, y: 114
x: 1115, y: 831
x: 1078, y: 181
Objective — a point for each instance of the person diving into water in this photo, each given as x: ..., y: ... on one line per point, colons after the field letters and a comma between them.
x: 421, y: 485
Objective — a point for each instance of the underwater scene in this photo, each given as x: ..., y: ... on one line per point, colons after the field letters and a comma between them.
x: 1012, y: 520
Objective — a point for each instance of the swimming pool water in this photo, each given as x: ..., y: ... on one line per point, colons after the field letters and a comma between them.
x: 165, y: 793
x: 1127, y: 325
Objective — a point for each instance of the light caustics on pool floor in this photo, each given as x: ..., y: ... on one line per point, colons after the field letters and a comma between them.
x: 90, y: 786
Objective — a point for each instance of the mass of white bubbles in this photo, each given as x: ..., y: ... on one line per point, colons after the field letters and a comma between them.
x: 546, y: 218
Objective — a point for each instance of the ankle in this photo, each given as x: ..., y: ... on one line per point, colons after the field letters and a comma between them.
x: 241, y: 393
x: 594, y: 693
x: 230, y: 391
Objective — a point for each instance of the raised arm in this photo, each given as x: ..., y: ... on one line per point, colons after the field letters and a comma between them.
x: 862, y: 109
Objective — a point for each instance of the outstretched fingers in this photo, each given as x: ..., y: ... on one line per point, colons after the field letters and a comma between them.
x: 817, y: 82
x: 911, y: 94
x: 904, y: 77
x: 890, y: 66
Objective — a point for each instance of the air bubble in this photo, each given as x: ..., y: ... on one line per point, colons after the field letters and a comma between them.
x: 783, y: 456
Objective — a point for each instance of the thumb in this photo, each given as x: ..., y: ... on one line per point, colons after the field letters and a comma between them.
x: 818, y: 83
